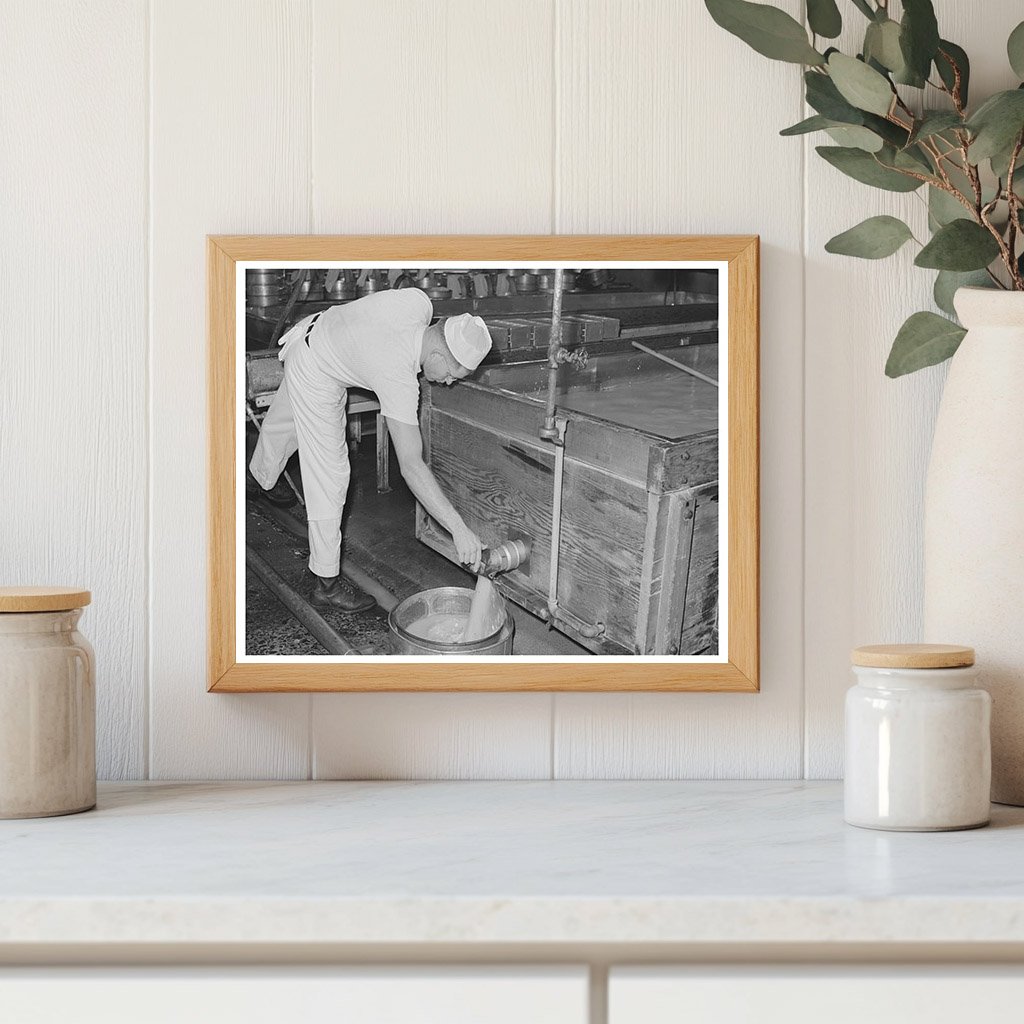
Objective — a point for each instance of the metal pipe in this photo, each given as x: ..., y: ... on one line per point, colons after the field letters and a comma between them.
x: 549, y: 432
x: 317, y: 625
x: 556, y: 520
x: 679, y: 366
x: 292, y: 299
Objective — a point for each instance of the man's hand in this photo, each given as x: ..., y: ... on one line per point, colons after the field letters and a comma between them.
x: 467, y: 544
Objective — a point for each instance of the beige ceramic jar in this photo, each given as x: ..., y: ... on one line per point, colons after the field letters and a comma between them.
x: 918, y: 756
x: 47, y: 704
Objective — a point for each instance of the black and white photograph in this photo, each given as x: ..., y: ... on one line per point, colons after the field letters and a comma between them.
x: 481, y: 461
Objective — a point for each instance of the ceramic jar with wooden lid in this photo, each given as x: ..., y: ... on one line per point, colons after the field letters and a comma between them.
x: 47, y: 704
x: 918, y: 750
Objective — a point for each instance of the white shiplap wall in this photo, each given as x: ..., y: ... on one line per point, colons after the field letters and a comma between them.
x: 133, y: 129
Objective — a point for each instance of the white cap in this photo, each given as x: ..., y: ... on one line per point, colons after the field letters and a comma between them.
x: 468, y: 339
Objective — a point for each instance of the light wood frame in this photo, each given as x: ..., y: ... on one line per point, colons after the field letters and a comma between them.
x: 738, y: 674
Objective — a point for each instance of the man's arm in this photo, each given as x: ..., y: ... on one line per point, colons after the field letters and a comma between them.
x: 409, y: 448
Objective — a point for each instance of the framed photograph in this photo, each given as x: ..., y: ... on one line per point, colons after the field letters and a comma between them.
x: 483, y: 463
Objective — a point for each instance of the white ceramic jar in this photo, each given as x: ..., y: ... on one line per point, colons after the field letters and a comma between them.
x: 47, y: 704
x: 918, y: 749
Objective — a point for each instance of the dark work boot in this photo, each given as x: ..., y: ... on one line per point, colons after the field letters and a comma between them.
x: 340, y: 594
x: 280, y: 495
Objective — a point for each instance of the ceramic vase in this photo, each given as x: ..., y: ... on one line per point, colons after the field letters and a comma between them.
x: 974, y: 517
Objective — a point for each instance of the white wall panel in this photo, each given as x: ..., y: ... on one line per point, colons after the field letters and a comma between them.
x: 868, y: 437
x: 73, y: 344
x: 432, y: 118
x: 230, y: 153
x: 668, y: 125
x: 340, y: 116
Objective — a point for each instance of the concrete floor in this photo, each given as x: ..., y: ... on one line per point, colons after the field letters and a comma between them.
x: 379, y: 539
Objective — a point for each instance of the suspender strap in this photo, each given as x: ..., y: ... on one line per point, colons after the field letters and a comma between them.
x: 309, y: 329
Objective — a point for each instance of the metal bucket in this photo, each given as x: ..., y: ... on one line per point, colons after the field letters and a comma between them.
x: 448, y: 601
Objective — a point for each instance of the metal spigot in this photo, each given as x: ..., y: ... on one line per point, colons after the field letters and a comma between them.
x: 513, y: 554
x: 504, y: 557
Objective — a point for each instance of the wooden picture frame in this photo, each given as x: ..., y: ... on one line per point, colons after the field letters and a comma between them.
x: 737, y: 672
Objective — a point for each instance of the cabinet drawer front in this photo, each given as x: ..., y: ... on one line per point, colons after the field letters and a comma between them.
x: 812, y: 995
x: 231, y: 995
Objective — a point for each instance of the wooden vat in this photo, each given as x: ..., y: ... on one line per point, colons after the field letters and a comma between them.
x: 638, y: 551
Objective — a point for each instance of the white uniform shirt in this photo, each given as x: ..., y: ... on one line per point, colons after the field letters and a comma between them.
x: 374, y: 343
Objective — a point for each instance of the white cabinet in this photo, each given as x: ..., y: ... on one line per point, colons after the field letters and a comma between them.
x: 227, y: 995
x: 812, y: 995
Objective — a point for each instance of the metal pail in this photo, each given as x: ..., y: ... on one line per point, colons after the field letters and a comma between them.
x: 448, y: 601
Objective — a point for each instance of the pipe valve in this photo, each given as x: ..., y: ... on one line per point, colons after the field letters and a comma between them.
x: 577, y: 356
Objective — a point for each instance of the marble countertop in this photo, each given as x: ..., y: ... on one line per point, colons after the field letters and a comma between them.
x: 500, y: 862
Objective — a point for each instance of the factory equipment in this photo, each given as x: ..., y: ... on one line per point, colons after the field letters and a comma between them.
x: 265, y: 288
x: 622, y: 513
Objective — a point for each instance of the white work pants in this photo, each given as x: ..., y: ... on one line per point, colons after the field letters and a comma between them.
x: 308, y: 413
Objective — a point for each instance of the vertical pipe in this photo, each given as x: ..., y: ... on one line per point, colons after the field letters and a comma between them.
x: 549, y: 432
x: 556, y: 520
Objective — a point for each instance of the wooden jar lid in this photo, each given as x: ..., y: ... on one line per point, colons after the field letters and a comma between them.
x: 913, y: 656
x: 42, y: 599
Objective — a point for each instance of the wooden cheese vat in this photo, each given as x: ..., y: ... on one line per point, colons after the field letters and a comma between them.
x: 638, y: 551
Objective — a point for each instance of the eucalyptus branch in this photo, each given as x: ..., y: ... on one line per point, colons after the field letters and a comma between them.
x: 954, y: 93
x: 902, y: 105
x: 995, y: 280
x: 1013, y: 203
x: 965, y: 236
x: 972, y: 176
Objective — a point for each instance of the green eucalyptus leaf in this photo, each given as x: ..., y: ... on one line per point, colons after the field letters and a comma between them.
x: 960, y: 245
x: 1015, y: 50
x: 824, y: 18
x: 872, y: 239
x: 934, y: 122
x: 947, y: 282
x: 919, y: 36
x: 892, y: 133
x: 926, y: 339
x: 866, y: 168
x: 949, y: 55
x: 808, y: 125
x: 864, y: 7
x: 1001, y: 161
x: 882, y: 44
x: 860, y: 85
x: 766, y: 29
x: 824, y: 97
x: 856, y: 137
x: 996, y: 125
x: 912, y: 159
x: 944, y: 208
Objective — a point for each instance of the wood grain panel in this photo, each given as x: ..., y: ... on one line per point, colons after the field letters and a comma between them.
x: 432, y: 118
x: 73, y: 291
x: 667, y: 124
x: 230, y: 152
x: 868, y: 437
